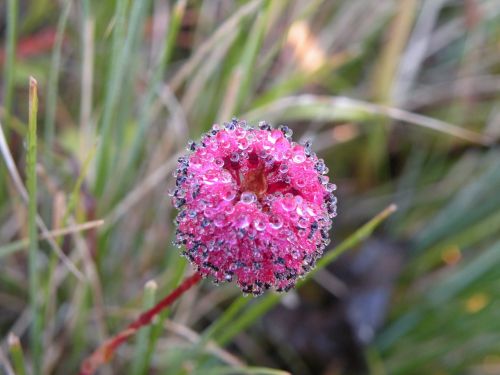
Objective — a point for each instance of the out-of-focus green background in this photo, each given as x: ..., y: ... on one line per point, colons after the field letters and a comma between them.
x: 401, y: 99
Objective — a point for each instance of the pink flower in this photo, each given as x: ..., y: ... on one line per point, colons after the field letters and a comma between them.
x: 254, y: 206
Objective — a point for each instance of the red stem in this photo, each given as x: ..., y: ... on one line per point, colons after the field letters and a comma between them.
x: 105, y: 352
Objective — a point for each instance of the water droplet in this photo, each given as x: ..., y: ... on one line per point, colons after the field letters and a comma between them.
x: 210, y: 212
x: 300, y: 183
x: 240, y: 133
x: 288, y: 204
x: 229, y: 195
x: 259, y: 225
x: 248, y: 197
x: 302, y: 223
x: 331, y: 187
x: 242, y: 222
x: 286, y: 131
x: 283, y: 168
x: 235, y: 157
x: 274, y: 135
x: 298, y: 158
x: 310, y: 211
x: 220, y: 221
x: 275, y: 222
x: 264, y: 125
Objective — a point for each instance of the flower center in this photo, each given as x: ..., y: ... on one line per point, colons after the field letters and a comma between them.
x: 255, y: 181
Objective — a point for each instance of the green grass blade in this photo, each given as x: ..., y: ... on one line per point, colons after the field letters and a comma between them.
x: 53, y: 82
x: 123, y: 56
x: 10, y: 49
x: 36, y: 328
x: 140, y: 361
x: 17, y: 355
x: 338, y: 108
x: 155, y: 82
x: 242, y: 74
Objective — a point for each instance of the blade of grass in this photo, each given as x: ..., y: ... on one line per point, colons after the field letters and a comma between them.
x: 338, y: 108
x: 21, y: 244
x: 17, y: 355
x: 242, y: 73
x: 471, y: 199
x: 194, y: 61
x: 157, y: 328
x: 155, y: 82
x: 18, y: 183
x: 86, y: 128
x: 123, y: 52
x: 53, y: 81
x: 9, y: 73
x: 36, y: 329
x: 140, y: 362
x: 441, y: 294
x: 75, y: 193
x: 10, y: 49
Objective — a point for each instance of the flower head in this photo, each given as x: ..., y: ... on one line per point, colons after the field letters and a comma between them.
x: 254, y: 206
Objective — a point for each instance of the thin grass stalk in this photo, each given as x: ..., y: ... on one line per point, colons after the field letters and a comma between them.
x: 117, y: 77
x: 86, y: 129
x: 242, y: 74
x: 52, y: 86
x: 10, y: 59
x: 17, y: 355
x: 157, y: 328
x: 34, y: 277
x: 140, y: 361
x: 155, y: 82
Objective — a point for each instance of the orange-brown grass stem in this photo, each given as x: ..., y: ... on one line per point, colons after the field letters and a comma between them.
x: 105, y: 352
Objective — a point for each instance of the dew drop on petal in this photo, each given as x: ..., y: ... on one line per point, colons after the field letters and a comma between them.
x: 283, y: 168
x: 242, y: 222
x: 299, y: 158
x: 331, y: 187
x: 259, y: 225
x: 275, y: 222
x: 302, y: 223
x: 288, y: 204
x: 229, y: 195
x: 220, y: 221
x: 235, y: 157
x: 248, y: 197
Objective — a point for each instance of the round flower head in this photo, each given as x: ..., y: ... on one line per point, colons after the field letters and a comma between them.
x: 254, y: 206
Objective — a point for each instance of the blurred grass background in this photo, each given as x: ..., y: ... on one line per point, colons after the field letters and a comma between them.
x: 401, y: 98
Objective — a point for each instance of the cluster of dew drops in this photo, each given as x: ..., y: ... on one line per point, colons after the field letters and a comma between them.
x: 254, y: 206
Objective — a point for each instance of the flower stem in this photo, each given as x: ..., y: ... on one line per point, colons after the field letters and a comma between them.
x: 105, y: 352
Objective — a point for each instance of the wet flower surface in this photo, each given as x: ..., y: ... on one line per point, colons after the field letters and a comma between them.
x: 254, y: 206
